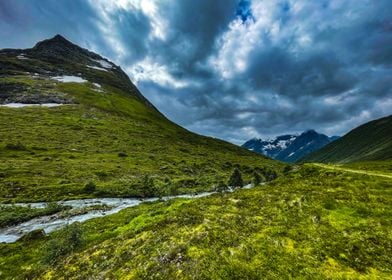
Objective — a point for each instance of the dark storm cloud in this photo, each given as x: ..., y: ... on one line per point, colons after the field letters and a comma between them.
x: 25, y: 22
x: 191, y: 33
x: 233, y: 69
x: 244, y: 10
x: 124, y: 26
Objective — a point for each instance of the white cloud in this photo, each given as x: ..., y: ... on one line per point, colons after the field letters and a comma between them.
x: 263, y: 30
x: 148, y: 70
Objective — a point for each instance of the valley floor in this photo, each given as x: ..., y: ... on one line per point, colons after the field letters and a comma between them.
x: 317, y: 222
x: 350, y: 170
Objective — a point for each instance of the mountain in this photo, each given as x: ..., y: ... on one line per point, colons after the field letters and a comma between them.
x: 290, y: 148
x: 72, y: 124
x: 88, y: 132
x: 56, y: 57
x: 371, y: 141
x: 270, y: 148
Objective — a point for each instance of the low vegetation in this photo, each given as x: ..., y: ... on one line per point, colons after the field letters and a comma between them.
x: 112, y: 141
x: 63, y: 243
x: 313, y: 223
x: 309, y: 221
x: 368, y: 142
x: 12, y: 215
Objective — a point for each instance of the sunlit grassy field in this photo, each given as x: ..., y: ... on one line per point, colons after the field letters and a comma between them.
x: 313, y: 223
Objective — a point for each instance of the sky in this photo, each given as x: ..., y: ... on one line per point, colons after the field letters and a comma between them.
x: 232, y: 69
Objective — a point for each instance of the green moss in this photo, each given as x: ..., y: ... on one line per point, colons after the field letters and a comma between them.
x: 66, y: 147
x: 274, y: 231
x: 11, y: 215
x: 316, y: 222
x: 352, y: 147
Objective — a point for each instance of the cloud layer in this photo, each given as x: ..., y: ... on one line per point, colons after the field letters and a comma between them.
x: 233, y: 69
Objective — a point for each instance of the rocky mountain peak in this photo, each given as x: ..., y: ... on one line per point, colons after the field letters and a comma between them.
x: 59, y: 38
x: 289, y: 148
x: 56, y: 41
x: 310, y: 132
x: 60, y: 48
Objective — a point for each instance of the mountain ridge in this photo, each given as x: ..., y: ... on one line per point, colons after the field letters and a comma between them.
x: 367, y: 142
x: 99, y: 131
x: 59, y: 56
x: 60, y: 47
x: 289, y: 147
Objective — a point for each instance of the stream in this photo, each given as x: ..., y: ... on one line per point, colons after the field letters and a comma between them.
x: 52, y: 222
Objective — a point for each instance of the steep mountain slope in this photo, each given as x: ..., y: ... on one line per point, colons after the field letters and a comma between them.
x: 368, y: 142
x: 290, y: 148
x: 94, y: 126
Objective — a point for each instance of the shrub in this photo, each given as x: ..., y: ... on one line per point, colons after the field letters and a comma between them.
x: 68, y: 240
x: 257, y: 179
x: 89, y: 187
x: 15, y: 147
x: 272, y: 175
x: 227, y: 165
x: 33, y: 235
x: 167, y: 181
x: 184, y: 150
x: 147, y: 187
x: 236, y: 179
x: 102, y: 174
x: 287, y: 169
x: 122, y: 154
x: 329, y: 204
x: 53, y: 207
x: 221, y: 187
x: 187, y: 182
x: 173, y: 189
x: 269, y: 174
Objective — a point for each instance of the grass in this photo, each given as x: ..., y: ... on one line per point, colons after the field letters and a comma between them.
x: 371, y: 141
x: 313, y: 223
x: 382, y: 167
x: 363, y: 169
x: 12, y: 215
x: 112, y: 140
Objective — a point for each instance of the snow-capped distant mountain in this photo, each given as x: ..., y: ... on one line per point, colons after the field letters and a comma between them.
x: 272, y: 147
x: 290, y: 148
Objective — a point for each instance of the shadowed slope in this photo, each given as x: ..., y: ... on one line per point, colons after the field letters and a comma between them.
x: 370, y: 141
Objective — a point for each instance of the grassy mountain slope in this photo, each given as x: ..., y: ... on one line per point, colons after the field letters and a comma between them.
x: 107, y: 133
x: 368, y: 142
x: 314, y: 223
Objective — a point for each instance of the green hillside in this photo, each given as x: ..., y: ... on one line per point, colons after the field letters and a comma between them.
x: 369, y: 142
x: 106, y: 135
x: 104, y: 139
x: 314, y: 223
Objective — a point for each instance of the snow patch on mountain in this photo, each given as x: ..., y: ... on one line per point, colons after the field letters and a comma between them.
x: 97, y: 68
x: 69, y: 79
x: 289, y: 148
x: 22, y: 105
x: 22, y: 56
x: 103, y: 63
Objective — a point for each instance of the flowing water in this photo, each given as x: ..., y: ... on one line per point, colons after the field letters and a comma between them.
x: 50, y: 223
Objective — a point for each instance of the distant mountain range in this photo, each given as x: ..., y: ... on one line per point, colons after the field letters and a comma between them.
x: 290, y: 148
x: 368, y: 142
